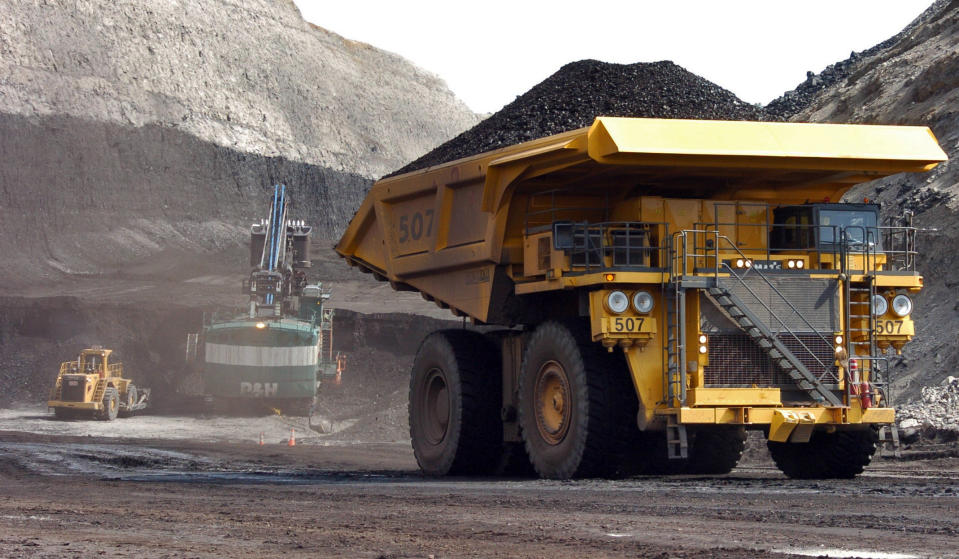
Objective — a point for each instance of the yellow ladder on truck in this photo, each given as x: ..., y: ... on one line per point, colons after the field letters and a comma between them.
x: 101, y: 388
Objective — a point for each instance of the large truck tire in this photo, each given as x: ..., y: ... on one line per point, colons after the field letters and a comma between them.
x: 111, y: 404
x: 455, y: 402
x: 129, y: 402
x: 839, y: 455
x: 573, y: 408
x: 716, y: 451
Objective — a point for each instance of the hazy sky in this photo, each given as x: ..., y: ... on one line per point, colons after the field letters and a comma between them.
x: 492, y: 51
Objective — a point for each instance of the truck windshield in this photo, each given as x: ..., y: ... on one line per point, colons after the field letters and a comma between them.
x: 857, y: 227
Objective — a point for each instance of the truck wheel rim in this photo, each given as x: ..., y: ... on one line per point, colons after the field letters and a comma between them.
x: 437, y: 407
x: 552, y: 403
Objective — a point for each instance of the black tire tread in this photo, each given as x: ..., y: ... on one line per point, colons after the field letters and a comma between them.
x: 716, y: 451
x: 479, y: 439
x: 109, y: 393
x: 839, y: 455
x: 610, y: 414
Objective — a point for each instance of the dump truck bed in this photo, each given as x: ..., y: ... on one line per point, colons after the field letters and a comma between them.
x: 455, y: 232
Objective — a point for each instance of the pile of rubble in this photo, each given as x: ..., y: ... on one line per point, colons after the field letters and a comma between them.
x: 935, y: 414
x: 580, y: 91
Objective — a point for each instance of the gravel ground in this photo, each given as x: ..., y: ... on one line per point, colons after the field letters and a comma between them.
x: 69, y: 496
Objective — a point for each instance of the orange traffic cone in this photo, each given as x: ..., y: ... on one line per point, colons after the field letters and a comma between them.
x: 292, y: 438
x: 261, y: 438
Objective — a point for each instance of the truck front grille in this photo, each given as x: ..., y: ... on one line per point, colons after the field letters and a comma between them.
x: 73, y: 388
x: 736, y: 361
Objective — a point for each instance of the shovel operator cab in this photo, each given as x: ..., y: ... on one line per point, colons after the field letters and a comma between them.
x: 666, y: 285
x: 93, y: 386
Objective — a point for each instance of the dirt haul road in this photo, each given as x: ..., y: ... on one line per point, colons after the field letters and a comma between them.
x: 209, y: 490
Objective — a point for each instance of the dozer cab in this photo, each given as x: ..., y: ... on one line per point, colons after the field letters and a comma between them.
x: 93, y: 386
x: 664, y: 286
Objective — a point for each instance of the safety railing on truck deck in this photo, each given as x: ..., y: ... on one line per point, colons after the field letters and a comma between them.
x: 777, y: 239
x: 72, y: 367
x: 685, y: 252
x: 898, y: 244
x: 615, y: 245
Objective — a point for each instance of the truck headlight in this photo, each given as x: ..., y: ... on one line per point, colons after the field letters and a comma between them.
x: 901, y: 305
x: 879, y: 305
x: 617, y: 302
x: 642, y: 302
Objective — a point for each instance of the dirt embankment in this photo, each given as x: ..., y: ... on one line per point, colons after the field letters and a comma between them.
x: 250, y: 75
x: 81, y: 199
x: 138, y: 142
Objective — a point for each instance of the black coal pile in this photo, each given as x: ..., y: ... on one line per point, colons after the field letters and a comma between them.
x: 580, y: 91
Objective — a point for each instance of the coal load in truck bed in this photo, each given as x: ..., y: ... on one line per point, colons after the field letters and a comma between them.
x: 580, y: 91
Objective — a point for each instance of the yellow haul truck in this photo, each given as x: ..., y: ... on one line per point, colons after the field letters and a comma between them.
x: 667, y: 284
x: 93, y: 386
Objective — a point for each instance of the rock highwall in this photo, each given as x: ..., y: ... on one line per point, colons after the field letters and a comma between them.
x: 140, y: 139
x: 250, y: 75
x: 96, y: 199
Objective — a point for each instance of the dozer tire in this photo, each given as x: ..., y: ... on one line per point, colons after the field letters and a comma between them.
x: 455, y: 401
x: 716, y: 451
x: 839, y: 455
x: 574, y: 410
x: 111, y: 404
x: 130, y: 400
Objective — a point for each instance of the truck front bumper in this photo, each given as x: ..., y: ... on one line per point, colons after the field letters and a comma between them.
x: 92, y: 406
x: 763, y: 416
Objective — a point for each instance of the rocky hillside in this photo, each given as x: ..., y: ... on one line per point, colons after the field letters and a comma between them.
x: 249, y: 75
x: 138, y: 140
x: 911, y: 79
